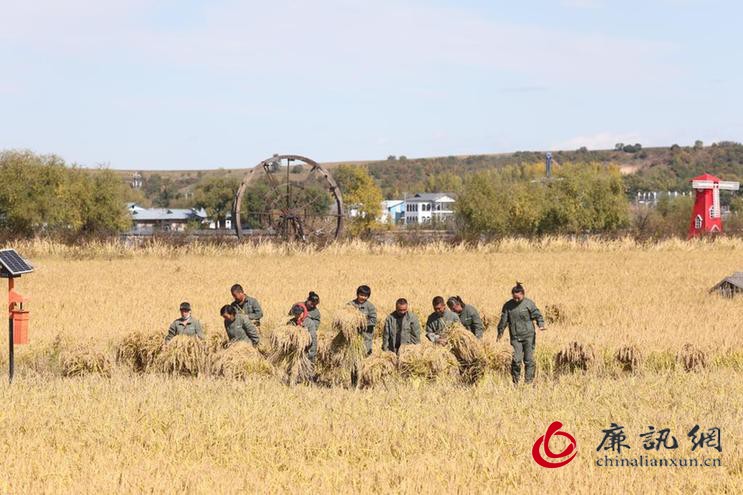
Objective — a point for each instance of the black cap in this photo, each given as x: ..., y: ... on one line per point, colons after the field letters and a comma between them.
x: 185, y: 306
x: 296, y: 310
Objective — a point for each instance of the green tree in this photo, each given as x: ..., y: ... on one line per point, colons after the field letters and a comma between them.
x: 215, y: 194
x: 360, y: 191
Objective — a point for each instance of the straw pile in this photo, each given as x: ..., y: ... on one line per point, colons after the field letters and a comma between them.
x: 428, y: 362
x: 289, y: 346
x: 630, y: 358
x: 575, y: 356
x: 345, y: 354
x: 183, y: 355
x: 240, y: 361
x: 84, y: 359
x: 498, y: 355
x: 468, y: 351
x: 138, y: 350
x: 378, y: 369
x: 692, y: 358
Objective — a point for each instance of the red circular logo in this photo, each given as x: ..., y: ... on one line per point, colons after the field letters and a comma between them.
x: 543, y: 442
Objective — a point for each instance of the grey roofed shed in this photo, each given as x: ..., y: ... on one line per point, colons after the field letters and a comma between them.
x: 730, y: 286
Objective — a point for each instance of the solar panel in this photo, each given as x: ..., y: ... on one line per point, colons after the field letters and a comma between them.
x: 12, y: 263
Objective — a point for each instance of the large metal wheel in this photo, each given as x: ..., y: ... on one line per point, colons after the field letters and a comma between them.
x: 290, y: 197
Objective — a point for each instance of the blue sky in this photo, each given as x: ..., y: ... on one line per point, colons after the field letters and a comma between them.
x: 193, y: 85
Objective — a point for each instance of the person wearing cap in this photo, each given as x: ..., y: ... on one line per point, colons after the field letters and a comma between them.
x: 238, y: 326
x: 246, y: 305
x: 518, y: 314
x: 185, y: 325
x: 400, y: 328
x: 468, y: 315
x: 312, y: 322
x: 363, y: 304
x: 439, y: 320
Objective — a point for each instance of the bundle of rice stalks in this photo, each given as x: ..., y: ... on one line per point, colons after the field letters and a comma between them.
x: 630, y: 358
x: 138, y: 350
x: 84, y: 359
x: 555, y: 313
x: 468, y: 351
x: 217, y: 341
x: 239, y: 361
x: 348, y: 321
x: 343, y: 357
x: 44, y: 357
x: 498, y: 355
x: 692, y: 358
x: 429, y: 362
x: 183, y: 355
x: 378, y: 369
x: 575, y: 356
x: 490, y: 320
x: 289, y: 346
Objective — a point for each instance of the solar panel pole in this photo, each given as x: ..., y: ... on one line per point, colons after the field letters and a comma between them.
x: 11, y: 347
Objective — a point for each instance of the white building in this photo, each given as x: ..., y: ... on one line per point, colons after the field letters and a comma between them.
x: 429, y: 207
x: 393, y: 211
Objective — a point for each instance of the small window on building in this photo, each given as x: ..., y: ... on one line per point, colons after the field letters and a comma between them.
x: 698, y: 222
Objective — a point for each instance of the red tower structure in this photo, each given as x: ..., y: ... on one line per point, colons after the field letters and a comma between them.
x: 706, y: 216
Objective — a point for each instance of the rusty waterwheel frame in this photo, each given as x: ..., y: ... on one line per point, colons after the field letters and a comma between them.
x: 289, y: 197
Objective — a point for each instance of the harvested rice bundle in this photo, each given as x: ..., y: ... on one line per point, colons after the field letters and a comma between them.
x: 378, y: 369
x: 84, y: 359
x: 490, y: 320
x: 630, y: 358
x: 575, y: 356
x: 429, y: 362
x: 343, y: 357
x: 498, y: 355
x: 349, y: 321
x: 138, y: 350
x: 183, y: 355
x: 692, y: 358
x: 239, y: 361
x: 467, y: 349
x: 289, y: 353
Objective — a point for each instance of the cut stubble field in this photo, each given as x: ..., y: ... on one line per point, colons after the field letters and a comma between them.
x: 134, y: 433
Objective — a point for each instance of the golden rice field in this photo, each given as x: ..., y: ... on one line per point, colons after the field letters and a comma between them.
x: 126, y: 432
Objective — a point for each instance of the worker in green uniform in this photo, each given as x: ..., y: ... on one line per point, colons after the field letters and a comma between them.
x: 518, y: 314
x: 185, y: 325
x: 312, y: 322
x: 246, y: 305
x: 238, y: 326
x: 400, y: 328
x: 439, y: 320
x: 362, y: 303
x: 468, y: 315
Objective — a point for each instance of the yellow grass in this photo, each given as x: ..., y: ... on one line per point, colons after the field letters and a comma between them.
x: 152, y: 432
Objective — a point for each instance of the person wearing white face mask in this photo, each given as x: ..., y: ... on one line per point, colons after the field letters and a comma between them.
x: 185, y: 325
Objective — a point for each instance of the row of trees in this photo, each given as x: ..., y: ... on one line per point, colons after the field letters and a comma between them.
x: 579, y: 199
x: 42, y: 195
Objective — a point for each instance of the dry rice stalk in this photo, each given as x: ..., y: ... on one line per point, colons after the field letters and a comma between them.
x: 378, y: 369
x: 345, y: 353
x: 630, y: 358
x: 498, y: 355
x: 555, y: 313
x: 575, y: 356
x: 138, y: 350
x: 84, y: 359
x: 468, y: 351
x: 429, y: 362
x: 289, y: 353
x: 183, y: 355
x: 239, y: 361
x: 490, y: 320
x: 692, y: 358
x: 217, y: 342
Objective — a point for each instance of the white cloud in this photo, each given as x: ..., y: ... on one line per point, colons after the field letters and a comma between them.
x: 346, y: 39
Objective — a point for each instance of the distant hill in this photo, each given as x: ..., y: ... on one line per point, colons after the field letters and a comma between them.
x: 647, y: 169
